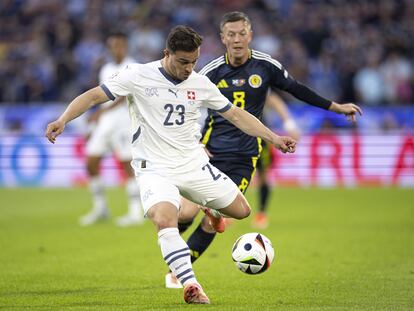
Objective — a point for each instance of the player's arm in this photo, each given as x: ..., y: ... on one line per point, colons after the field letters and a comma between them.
x: 77, y: 107
x: 278, y: 104
x: 253, y: 127
x: 282, y: 80
x: 307, y: 95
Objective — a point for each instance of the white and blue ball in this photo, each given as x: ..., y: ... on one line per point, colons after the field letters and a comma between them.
x: 253, y: 253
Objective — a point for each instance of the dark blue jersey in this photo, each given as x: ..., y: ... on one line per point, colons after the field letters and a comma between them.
x: 245, y: 86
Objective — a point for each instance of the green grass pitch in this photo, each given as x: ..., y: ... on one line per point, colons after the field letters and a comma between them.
x: 336, y: 249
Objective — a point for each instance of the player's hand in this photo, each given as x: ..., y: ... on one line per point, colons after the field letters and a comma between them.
x: 285, y: 144
x: 350, y: 110
x: 54, y: 129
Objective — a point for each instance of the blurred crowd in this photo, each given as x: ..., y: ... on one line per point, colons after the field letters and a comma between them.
x: 50, y: 50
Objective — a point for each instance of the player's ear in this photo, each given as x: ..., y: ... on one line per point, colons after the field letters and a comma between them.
x: 250, y: 36
x: 166, y: 53
x: 222, y: 37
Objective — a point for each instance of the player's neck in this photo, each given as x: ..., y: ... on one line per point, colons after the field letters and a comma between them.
x: 167, y: 69
x: 237, y: 61
x: 119, y: 60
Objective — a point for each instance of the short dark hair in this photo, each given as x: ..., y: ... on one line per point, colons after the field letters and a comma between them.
x: 234, y: 16
x: 183, y: 38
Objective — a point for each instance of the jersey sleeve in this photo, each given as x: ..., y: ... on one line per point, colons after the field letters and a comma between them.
x: 282, y: 80
x: 280, y: 77
x: 214, y: 99
x: 120, y: 84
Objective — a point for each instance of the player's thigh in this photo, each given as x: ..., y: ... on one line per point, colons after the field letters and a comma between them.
x: 240, y: 171
x: 155, y: 189
x: 208, y: 186
x: 188, y: 210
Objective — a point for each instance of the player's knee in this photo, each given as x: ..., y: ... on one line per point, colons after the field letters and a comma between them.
x: 244, y: 207
x: 244, y: 212
x: 163, y: 216
x: 247, y: 211
x: 92, y: 165
x: 164, y: 222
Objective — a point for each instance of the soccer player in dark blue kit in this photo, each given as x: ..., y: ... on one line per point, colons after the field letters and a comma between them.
x: 260, y: 220
x: 244, y: 76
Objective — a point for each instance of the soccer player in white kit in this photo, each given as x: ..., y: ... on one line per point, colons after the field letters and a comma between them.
x: 165, y: 99
x: 112, y: 133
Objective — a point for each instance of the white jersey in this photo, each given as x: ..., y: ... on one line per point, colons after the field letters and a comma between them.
x: 165, y: 113
x: 110, y: 69
x: 112, y: 132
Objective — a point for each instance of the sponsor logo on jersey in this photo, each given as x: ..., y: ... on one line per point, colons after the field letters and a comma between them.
x: 255, y: 81
x: 222, y: 84
x: 151, y: 91
x: 147, y: 194
x: 114, y: 75
x: 238, y: 82
x: 174, y: 92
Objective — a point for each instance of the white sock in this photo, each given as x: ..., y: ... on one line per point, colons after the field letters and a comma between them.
x: 98, y: 194
x: 134, y: 200
x: 176, y: 254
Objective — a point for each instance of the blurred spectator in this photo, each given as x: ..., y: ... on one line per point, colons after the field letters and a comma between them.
x: 368, y: 80
x: 51, y: 49
x: 397, y: 74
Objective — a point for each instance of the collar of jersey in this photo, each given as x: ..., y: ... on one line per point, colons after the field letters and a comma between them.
x: 169, y: 77
x: 226, y: 57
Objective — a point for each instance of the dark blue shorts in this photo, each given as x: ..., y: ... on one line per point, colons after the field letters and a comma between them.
x: 240, y: 170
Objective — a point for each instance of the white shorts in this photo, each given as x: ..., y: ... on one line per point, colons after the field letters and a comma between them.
x: 204, y: 185
x: 112, y: 134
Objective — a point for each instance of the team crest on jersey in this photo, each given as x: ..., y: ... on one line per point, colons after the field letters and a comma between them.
x: 238, y: 82
x: 255, y: 81
x: 191, y: 95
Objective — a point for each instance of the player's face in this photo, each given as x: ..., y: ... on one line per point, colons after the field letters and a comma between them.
x: 181, y: 64
x: 236, y: 36
x: 118, y: 48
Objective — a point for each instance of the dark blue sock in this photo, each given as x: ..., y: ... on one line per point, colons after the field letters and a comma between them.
x: 199, y: 241
x: 264, y: 197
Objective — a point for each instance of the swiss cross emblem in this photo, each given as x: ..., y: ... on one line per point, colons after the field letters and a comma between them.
x: 191, y: 95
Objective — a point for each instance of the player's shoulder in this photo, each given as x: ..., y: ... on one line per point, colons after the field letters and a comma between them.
x: 197, y: 77
x: 213, y: 65
x: 265, y: 58
x: 109, y: 66
x: 129, y: 60
x: 142, y: 69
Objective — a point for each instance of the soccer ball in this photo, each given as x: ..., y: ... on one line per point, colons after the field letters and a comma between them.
x: 253, y: 253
